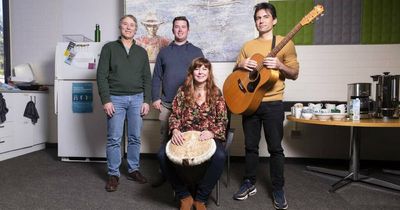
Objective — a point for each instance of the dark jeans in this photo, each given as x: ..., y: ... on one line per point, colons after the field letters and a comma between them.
x: 270, y: 115
x: 206, y: 183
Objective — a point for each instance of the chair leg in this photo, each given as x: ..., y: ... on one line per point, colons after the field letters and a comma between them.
x: 228, y: 177
x: 217, y: 192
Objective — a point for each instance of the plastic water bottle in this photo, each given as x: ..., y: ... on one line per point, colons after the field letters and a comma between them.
x: 356, y: 109
x: 97, y: 33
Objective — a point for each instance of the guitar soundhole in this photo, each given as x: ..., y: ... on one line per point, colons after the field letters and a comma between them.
x: 252, y: 85
x: 253, y: 75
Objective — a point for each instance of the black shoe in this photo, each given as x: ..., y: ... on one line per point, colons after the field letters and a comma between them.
x: 137, y: 177
x: 279, y: 199
x: 159, y: 181
x: 247, y: 189
x: 112, y: 183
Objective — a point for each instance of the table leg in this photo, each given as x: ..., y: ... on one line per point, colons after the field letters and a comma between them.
x: 334, y: 172
x: 395, y: 172
x: 353, y: 174
x: 350, y: 175
x: 381, y: 183
x: 341, y: 183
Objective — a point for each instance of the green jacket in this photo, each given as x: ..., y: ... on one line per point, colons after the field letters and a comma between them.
x: 120, y: 73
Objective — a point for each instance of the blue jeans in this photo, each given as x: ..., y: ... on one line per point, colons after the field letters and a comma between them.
x: 270, y: 116
x: 125, y: 107
x: 206, y: 183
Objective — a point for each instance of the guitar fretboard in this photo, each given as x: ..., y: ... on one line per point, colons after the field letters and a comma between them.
x: 287, y: 38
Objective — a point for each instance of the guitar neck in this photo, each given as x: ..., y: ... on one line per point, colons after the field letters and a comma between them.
x: 287, y: 38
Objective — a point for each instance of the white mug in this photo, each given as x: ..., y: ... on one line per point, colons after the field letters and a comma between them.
x: 341, y: 107
x: 329, y: 107
x: 316, y: 108
x: 293, y: 110
x: 298, y: 112
x: 325, y: 111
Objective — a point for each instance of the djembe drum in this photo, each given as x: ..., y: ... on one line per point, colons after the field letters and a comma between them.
x: 191, y: 158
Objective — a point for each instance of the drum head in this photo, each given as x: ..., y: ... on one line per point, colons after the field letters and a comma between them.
x: 193, y: 151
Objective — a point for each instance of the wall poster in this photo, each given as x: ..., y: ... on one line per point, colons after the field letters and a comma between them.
x: 218, y: 27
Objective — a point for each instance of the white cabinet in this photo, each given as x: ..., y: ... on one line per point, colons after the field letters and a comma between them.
x: 23, y: 135
x: 27, y: 132
x: 41, y: 131
x: 23, y: 128
x: 7, y: 128
x: 6, y: 136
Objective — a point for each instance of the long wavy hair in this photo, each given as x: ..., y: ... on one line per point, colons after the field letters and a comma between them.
x: 212, y: 90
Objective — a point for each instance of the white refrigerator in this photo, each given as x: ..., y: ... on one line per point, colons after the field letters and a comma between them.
x: 82, y: 128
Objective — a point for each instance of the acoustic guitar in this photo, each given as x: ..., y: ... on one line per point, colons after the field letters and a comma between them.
x: 243, y: 90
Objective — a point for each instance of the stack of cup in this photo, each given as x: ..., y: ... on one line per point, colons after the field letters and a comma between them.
x: 296, y: 110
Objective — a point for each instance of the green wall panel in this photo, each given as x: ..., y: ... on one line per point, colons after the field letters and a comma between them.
x: 289, y: 14
x: 380, y: 22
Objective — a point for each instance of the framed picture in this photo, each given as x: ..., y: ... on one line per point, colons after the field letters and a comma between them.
x: 218, y: 27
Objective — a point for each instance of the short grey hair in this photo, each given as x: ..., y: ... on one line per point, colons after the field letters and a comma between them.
x: 128, y: 16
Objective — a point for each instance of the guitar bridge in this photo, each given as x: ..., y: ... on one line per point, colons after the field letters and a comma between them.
x: 241, y: 87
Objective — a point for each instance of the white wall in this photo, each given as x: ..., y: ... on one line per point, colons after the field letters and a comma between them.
x: 325, y: 70
x: 36, y: 27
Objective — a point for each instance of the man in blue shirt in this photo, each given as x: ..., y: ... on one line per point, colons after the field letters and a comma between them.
x: 170, y: 72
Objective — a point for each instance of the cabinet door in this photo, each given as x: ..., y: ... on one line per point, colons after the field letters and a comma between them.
x: 10, y: 103
x: 7, y: 128
x: 6, y: 144
x: 6, y: 137
x: 23, y: 128
x: 40, y: 129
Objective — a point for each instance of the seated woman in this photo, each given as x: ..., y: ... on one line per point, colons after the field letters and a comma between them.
x: 198, y: 106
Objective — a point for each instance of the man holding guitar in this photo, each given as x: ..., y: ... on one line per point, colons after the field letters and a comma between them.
x: 270, y: 112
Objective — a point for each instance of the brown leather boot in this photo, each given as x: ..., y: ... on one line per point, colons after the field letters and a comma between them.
x: 186, y: 203
x: 112, y: 183
x: 198, y: 205
x: 137, y: 177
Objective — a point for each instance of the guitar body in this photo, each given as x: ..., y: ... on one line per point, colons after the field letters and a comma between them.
x: 243, y: 90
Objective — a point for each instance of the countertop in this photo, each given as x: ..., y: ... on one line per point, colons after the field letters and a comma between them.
x: 372, y: 122
x: 24, y: 91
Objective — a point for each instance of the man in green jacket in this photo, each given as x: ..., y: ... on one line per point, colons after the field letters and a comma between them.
x: 124, y: 82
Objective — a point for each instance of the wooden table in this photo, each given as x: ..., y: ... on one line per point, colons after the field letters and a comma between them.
x: 353, y: 174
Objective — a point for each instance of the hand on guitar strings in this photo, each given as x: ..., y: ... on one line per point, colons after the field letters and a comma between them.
x: 268, y: 62
x: 177, y: 137
x: 248, y: 64
x: 272, y: 63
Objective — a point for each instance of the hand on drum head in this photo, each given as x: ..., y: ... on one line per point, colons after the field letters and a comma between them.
x: 205, y: 135
x: 177, y: 137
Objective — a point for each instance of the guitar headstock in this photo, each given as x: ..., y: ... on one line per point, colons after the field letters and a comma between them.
x: 317, y: 11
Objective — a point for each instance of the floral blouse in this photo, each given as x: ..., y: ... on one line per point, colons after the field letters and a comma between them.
x: 200, y: 117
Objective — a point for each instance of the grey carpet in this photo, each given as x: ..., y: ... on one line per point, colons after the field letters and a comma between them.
x: 40, y: 181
